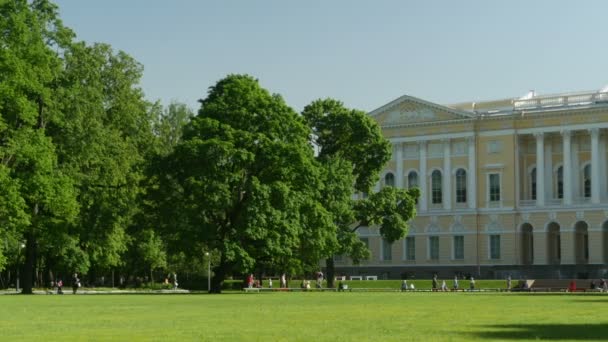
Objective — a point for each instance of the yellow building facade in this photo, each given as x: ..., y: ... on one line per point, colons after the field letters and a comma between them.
x: 509, y: 187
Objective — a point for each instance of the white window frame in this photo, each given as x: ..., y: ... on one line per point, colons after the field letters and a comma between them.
x: 429, y: 256
x: 386, y: 175
x: 440, y: 186
x: 499, y: 202
x: 490, y: 247
x: 582, y: 179
x: 382, y: 242
x: 454, y: 247
x: 466, y: 183
x: 556, y: 181
x: 406, y: 249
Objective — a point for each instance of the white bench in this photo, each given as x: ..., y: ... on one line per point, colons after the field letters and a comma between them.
x: 356, y: 277
x: 371, y: 277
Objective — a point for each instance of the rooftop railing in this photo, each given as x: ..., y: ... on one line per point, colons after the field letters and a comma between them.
x: 561, y: 100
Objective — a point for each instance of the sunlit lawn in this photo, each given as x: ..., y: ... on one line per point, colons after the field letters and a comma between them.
x: 306, y: 317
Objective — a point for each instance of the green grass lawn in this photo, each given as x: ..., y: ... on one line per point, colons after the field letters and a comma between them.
x: 311, y: 316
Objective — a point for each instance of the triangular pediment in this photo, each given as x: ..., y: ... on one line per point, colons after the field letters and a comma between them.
x: 409, y: 110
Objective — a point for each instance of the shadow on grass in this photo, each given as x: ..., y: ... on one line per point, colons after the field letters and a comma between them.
x: 577, y: 332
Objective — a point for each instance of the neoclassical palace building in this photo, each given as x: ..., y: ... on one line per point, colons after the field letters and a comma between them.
x: 512, y: 186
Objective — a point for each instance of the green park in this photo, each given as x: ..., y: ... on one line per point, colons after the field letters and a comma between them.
x: 126, y: 218
x: 283, y: 316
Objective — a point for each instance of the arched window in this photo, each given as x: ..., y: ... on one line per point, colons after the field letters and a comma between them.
x: 560, y: 182
x: 587, y: 181
x: 461, y: 186
x: 436, y: 187
x: 412, y: 180
x: 389, y: 179
x: 533, y: 184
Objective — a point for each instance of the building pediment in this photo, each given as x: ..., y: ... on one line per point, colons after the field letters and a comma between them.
x: 409, y: 110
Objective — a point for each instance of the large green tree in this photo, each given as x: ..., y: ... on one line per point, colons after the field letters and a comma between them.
x: 40, y: 190
x: 103, y: 135
x: 352, y: 141
x: 75, y: 131
x: 243, y: 181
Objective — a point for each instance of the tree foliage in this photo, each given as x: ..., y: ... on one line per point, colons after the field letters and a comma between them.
x: 244, y: 180
x: 352, y: 139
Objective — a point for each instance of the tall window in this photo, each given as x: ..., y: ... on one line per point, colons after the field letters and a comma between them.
x: 410, y: 248
x: 494, y: 246
x: 533, y: 183
x: 387, y: 250
x: 389, y: 179
x: 461, y: 186
x: 412, y: 180
x: 560, y: 182
x: 459, y: 247
x: 434, y: 247
x: 436, y: 187
x: 494, y: 187
x: 587, y: 181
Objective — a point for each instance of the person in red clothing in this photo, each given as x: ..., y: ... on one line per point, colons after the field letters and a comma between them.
x: 250, y: 280
x: 572, y: 286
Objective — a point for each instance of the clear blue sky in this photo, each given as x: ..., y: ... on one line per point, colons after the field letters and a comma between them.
x: 364, y: 53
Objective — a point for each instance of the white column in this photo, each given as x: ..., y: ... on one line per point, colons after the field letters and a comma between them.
x: 471, y: 175
x: 567, y: 167
x: 595, y: 165
x: 602, y: 167
x: 548, y: 176
x: 423, y: 177
x: 399, y: 161
x: 447, y: 175
x: 540, y: 169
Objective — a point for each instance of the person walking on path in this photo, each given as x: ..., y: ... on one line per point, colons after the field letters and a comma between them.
x: 434, y: 283
x: 472, y: 284
x: 283, y: 281
x: 75, y: 283
x: 509, y: 282
x: 455, y: 283
x: 59, y: 286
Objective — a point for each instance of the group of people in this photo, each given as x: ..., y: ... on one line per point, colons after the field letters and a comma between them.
x: 251, y: 282
x: 455, y: 284
x: 171, y: 278
x: 75, y: 284
x: 602, y: 286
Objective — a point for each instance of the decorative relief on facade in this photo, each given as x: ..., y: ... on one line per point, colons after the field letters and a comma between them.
x: 411, y: 151
x: 525, y: 217
x: 458, y: 227
x: 494, y: 224
x: 433, y: 228
x: 413, y: 229
x: 459, y: 148
x: 580, y: 215
x: 435, y: 150
x: 552, y: 215
x: 407, y: 113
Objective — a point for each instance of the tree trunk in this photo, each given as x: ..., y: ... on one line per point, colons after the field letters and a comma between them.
x: 27, y: 274
x: 219, y: 274
x: 330, y: 271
